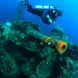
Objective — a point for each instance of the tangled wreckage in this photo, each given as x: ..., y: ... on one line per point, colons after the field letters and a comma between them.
x: 27, y: 53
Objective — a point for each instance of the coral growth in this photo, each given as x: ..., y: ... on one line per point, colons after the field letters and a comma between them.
x: 23, y: 56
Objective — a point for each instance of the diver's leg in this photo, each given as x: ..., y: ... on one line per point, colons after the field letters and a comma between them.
x: 35, y: 11
x: 31, y: 9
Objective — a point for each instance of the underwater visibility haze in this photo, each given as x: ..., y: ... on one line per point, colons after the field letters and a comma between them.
x: 68, y: 21
x: 38, y: 43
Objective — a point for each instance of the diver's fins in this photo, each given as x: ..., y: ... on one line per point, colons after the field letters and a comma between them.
x: 24, y: 2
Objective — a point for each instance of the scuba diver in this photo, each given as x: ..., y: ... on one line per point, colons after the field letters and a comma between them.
x: 47, y: 13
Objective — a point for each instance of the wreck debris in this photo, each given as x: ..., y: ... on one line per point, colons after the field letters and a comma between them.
x: 28, y: 37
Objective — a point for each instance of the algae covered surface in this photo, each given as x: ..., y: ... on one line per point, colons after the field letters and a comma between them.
x: 23, y: 56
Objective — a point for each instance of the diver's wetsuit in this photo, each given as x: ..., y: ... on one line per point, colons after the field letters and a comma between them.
x: 52, y: 13
x: 38, y: 12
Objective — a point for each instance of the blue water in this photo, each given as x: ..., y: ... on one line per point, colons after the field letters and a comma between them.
x: 68, y: 21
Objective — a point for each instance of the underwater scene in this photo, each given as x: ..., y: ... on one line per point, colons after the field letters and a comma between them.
x: 38, y: 39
